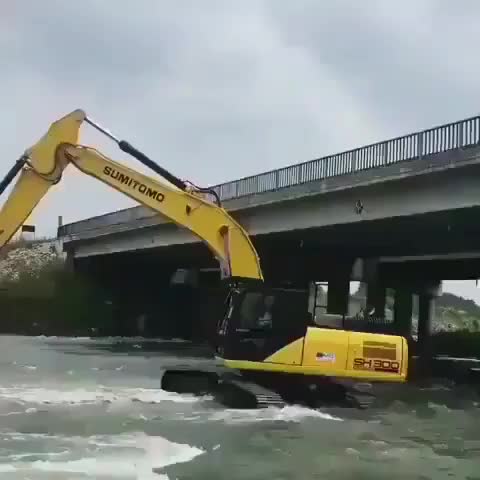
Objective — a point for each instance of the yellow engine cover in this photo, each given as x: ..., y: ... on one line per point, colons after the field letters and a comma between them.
x: 337, y: 353
x: 359, y: 355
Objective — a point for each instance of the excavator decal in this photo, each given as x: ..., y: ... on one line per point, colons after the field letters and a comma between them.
x: 135, y: 184
x: 376, y: 364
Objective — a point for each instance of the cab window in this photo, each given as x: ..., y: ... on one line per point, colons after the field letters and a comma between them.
x: 256, y: 311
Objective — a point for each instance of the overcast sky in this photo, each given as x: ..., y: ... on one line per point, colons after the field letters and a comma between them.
x: 215, y: 90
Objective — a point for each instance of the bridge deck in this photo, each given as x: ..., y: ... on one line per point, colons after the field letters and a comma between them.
x: 435, y: 149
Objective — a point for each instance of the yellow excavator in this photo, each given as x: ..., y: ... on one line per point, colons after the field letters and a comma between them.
x: 268, y: 349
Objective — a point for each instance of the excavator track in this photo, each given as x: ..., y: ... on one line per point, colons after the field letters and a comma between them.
x: 239, y: 393
x: 227, y: 387
x: 184, y: 379
x: 232, y: 390
x: 361, y: 400
x: 357, y: 396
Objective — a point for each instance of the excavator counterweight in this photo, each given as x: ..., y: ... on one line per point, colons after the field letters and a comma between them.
x: 268, y: 349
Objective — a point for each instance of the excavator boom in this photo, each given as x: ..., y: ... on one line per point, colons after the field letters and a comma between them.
x: 45, y: 162
x: 39, y: 171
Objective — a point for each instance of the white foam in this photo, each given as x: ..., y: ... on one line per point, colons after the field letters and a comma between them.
x: 99, y: 394
x: 54, y: 337
x: 290, y: 413
x: 19, y: 456
x: 8, y: 414
x: 138, y: 456
x: 7, y: 468
x: 29, y: 367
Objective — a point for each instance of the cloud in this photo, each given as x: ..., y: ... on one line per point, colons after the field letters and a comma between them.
x: 216, y: 90
x: 409, y: 65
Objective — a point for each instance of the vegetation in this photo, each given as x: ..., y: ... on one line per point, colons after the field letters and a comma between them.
x: 457, y: 313
x: 38, y: 295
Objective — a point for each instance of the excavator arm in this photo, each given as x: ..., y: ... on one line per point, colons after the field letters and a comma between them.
x: 43, y: 164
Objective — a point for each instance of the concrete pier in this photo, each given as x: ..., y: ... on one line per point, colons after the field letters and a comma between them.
x: 403, y: 309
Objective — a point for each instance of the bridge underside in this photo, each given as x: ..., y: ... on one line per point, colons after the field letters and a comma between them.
x: 410, y: 252
x: 441, y: 238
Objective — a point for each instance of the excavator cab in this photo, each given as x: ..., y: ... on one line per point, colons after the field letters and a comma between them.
x: 260, y: 321
x: 272, y: 330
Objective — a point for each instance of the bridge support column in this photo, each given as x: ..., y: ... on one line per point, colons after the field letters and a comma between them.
x: 403, y: 309
x: 376, y: 292
x: 339, y: 290
x: 376, y: 297
x: 367, y: 270
x: 426, y: 311
x: 184, y: 301
x: 426, y: 317
x: 69, y: 265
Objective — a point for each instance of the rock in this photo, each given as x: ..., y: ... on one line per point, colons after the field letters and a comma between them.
x: 27, y: 260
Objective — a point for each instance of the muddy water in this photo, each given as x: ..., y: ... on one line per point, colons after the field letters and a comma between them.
x: 92, y: 409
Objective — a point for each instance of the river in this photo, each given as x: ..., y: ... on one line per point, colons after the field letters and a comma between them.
x: 91, y: 409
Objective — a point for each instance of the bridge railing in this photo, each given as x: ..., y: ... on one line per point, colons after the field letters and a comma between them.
x: 461, y: 134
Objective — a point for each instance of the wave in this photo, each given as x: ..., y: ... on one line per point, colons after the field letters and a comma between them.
x: 99, y: 394
x: 290, y: 413
x: 125, y: 456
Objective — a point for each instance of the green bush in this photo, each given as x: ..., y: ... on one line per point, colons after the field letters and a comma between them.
x: 53, y: 301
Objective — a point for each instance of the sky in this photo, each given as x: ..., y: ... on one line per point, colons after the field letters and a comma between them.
x: 221, y: 89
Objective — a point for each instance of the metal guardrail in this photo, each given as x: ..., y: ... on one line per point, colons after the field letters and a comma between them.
x: 464, y: 133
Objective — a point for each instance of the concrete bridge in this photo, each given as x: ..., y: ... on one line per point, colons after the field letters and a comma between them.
x: 381, y: 208
x: 429, y: 176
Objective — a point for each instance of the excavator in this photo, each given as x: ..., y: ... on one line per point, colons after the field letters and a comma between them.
x: 268, y: 349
